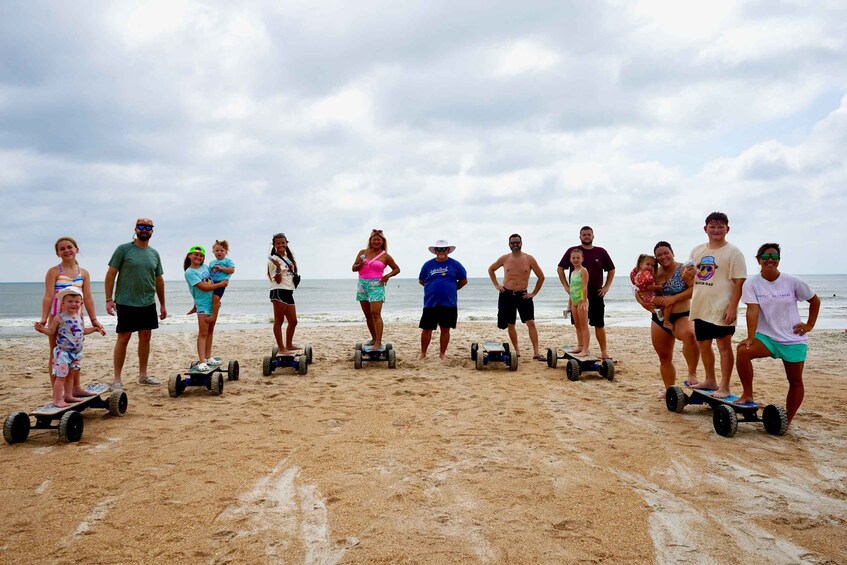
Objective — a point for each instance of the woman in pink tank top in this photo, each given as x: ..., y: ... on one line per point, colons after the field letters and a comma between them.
x: 370, y: 263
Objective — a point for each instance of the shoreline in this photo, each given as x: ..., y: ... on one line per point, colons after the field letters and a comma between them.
x: 432, y: 462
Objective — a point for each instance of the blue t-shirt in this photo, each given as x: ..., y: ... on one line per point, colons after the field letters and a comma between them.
x: 441, y: 281
x: 202, y: 299
x: 218, y: 276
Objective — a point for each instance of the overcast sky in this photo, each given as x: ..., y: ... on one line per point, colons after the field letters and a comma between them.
x: 459, y: 120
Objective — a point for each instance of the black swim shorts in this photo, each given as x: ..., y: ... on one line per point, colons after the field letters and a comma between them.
x: 511, y: 303
x: 704, y: 331
x: 134, y: 318
x: 441, y: 316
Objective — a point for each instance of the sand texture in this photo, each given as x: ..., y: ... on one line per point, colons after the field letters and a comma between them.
x: 434, y: 462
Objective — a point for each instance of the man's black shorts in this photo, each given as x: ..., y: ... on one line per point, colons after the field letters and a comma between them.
x: 133, y: 318
x: 596, y: 312
x: 443, y: 316
x: 704, y: 331
x: 510, y: 302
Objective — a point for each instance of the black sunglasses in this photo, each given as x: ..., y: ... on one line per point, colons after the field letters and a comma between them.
x: 144, y: 227
x: 442, y: 248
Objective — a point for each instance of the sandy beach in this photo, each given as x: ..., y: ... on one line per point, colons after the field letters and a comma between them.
x: 433, y: 462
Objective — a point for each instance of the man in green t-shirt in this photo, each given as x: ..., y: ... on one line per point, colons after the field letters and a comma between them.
x: 138, y: 269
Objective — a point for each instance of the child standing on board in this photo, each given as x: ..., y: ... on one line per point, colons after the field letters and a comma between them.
x: 68, y: 327
x: 578, y: 302
x: 200, y: 284
x: 643, y: 277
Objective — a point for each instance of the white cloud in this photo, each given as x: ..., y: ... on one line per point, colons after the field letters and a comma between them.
x: 466, y: 121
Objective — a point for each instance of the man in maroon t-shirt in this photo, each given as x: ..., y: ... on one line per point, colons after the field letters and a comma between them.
x: 596, y: 261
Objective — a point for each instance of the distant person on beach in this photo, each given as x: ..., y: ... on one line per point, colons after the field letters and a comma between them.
x: 283, y: 277
x: 66, y: 273
x: 202, y: 288
x: 441, y: 278
x: 370, y: 263
x: 578, y: 302
x: 676, y: 297
x: 514, y: 296
x: 221, y: 269
x: 138, y: 269
x: 596, y: 260
x: 67, y: 328
x: 774, y: 328
x: 718, y: 273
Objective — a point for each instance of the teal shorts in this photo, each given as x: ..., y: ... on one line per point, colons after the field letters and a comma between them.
x: 370, y: 291
x: 793, y: 353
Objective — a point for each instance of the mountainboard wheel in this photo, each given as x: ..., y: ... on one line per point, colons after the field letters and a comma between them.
x: 302, y: 365
x: 392, y: 359
x: 513, y: 361
x: 175, y: 386
x: 572, y: 370
x: 775, y: 419
x: 552, y: 358
x: 607, y: 369
x: 16, y: 427
x: 725, y: 421
x: 118, y: 403
x: 480, y: 360
x: 357, y: 359
x: 274, y: 351
x: 675, y: 399
x: 217, y: 382
x: 308, y: 352
x: 474, y: 350
x: 358, y: 347
x: 232, y: 370
x: 389, y: 346
x: 71, y: 426
x: 267, y: 366
x: 506, y: 347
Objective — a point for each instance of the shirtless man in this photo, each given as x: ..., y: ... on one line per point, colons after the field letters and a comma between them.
x: 514, y: 297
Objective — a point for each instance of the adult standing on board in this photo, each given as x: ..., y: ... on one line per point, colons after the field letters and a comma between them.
x: 138, y: 269
x: 774, y: 327
x: 370, y: 263
x: 596, y: 261
x: 514, y: 298
x: 441, y: 278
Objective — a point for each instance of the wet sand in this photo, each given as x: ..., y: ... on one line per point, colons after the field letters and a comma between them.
x: 432, y: 462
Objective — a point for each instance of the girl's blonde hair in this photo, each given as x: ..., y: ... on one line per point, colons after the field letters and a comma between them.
x: 67, y: 238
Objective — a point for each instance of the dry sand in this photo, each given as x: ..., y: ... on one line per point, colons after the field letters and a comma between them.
x: 432, y: 462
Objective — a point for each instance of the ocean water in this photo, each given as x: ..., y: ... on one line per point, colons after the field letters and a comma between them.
x: 333, y: 302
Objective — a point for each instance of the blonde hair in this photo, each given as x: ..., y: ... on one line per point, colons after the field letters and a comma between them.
x: 223, y: 243
x: 382, y: 236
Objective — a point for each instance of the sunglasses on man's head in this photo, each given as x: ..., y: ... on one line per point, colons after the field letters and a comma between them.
x: 766, y: 256
x: 144, y: 227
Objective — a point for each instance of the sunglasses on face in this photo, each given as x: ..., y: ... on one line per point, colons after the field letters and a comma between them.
x: 144, y: 227
x: 766, y: 256
x: 441, y: 249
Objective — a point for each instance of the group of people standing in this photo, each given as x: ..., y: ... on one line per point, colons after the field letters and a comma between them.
x: 695, y: 303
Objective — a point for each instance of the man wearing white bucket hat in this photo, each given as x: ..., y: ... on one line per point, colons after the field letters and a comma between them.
x: 441, y: 278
